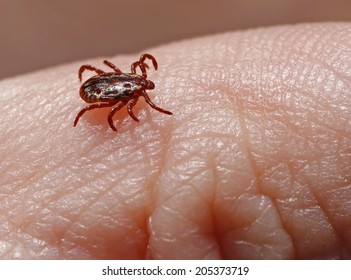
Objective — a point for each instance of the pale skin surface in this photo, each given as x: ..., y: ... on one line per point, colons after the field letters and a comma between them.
x: 255, y: 163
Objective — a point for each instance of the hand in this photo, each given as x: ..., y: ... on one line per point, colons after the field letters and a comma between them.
x: 254, y: 163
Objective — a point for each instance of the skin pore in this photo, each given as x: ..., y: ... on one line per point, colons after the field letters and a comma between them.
x: 255, y: 163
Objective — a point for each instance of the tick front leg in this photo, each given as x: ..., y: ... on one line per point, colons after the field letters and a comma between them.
x: 142, y: 67
x: 113, y: 111
x: 131, y: 104
x: 149, y: 56
x: 148, y: 101
x: 90, y: 107
x: 111, y: 65
x: 88, y: 67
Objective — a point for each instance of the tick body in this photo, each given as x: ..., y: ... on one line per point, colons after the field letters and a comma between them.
x: 117, y: 89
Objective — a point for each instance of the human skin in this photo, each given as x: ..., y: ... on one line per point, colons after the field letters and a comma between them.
x: 255, y: 163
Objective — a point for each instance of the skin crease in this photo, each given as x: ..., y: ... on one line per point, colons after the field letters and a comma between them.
x: 255, y: 163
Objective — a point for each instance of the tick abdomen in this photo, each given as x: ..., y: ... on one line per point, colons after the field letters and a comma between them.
x: 110, y: 87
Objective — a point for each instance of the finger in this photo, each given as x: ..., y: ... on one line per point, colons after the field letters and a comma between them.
x: 258, y: 144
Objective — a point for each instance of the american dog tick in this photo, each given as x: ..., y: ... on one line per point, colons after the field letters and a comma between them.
x: 117, y: 89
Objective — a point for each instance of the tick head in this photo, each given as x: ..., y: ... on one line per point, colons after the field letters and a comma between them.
x: 149, y: 85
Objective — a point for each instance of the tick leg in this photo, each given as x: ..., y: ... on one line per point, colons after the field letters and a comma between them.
x: 148, y: 101
x: 113, y: 111
x: 141, y: 66
x: 149, y: 56
x: 88, y: 67
x: 111, y: 65
x: 90, y: 107
x: 131, y: 104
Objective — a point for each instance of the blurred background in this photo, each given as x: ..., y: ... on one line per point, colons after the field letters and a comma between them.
x: 36, y: 34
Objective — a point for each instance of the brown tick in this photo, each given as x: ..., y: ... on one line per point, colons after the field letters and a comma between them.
x: 117, y: 89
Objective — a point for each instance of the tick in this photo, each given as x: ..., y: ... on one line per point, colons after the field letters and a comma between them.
x: 117, y: 89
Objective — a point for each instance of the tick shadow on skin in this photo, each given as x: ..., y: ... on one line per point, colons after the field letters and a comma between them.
x: 98, y: 117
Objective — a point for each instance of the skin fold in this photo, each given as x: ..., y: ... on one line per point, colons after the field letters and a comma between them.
x: 255, y: 163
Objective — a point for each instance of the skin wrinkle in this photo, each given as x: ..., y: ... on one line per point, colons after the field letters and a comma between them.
x: 318, y: 203
x: 283, y: 225
x: 70, y: 224
x: 196, y: 231
x: 317, y: 61
x: 157, y: 175
x: 325, y: 213
x: 168, y: 200
x: 140, y: 227
x: 24, y: 222
x: 216, y: 232
x: 20, y: 242
x: 25, y: 145
x: 9, y: 225
x: 129, y: 229
x: 312, y: 193
x: 295, y: 179
x: 37, y: 174
x: 185, y: 186
x: 50, y: 201
x: 249, y: 228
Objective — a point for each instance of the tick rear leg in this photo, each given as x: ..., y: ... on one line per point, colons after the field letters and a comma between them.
x: 111, y: 65
x: 88, y: 67
x: 148, y: 101
x: 113, y: 111
x: 91, y: 107
x: 131, y: 104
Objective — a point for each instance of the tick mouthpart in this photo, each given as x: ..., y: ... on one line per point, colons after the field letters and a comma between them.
x: 150, y: 85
